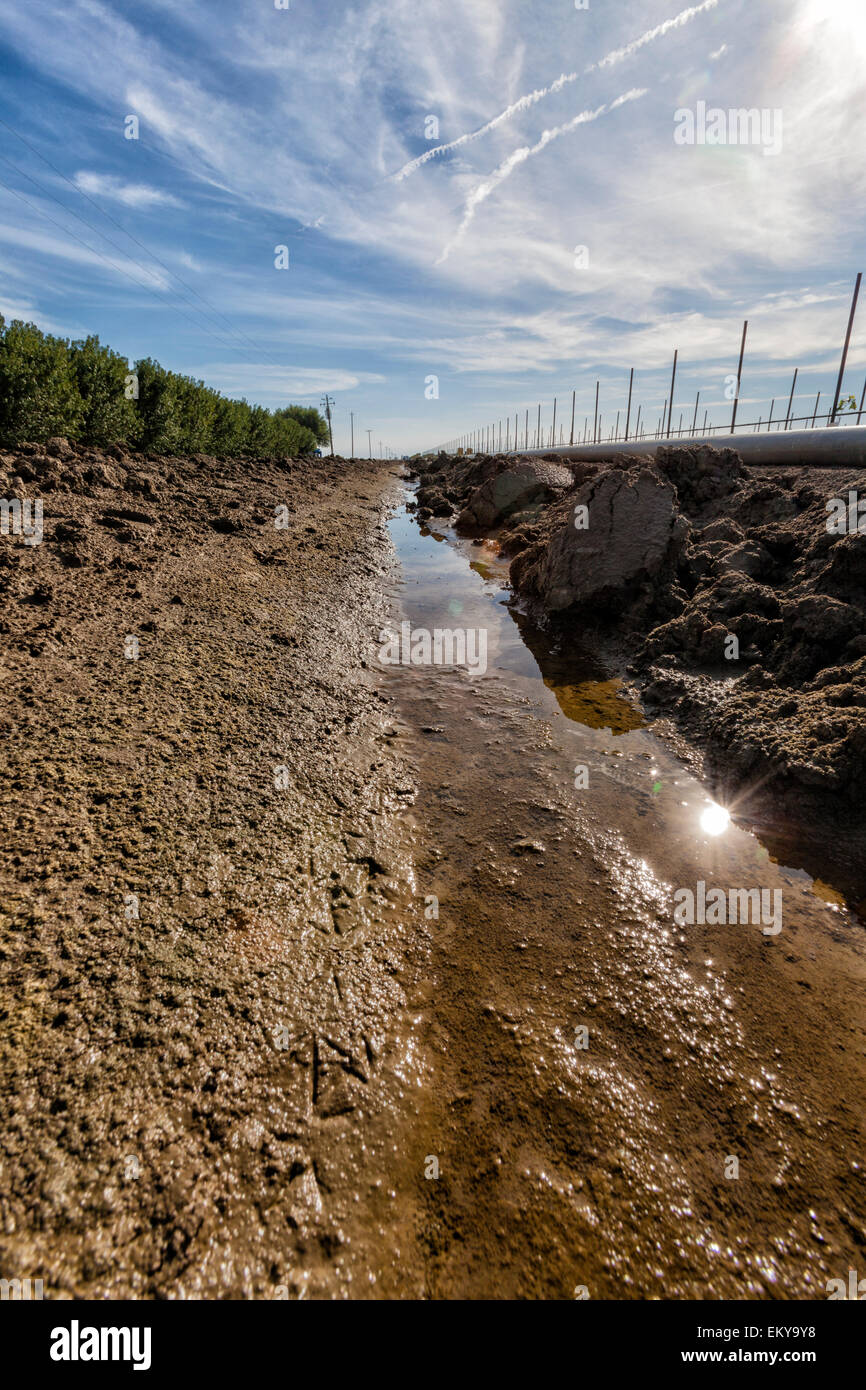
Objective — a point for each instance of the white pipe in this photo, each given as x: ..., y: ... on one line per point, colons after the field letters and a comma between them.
x: 834, y: 447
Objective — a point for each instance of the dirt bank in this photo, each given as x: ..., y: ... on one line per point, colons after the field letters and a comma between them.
x: 737, y: 596
x: 198, y: 809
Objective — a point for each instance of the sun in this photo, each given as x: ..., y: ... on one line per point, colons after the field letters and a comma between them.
x: 715, y: 819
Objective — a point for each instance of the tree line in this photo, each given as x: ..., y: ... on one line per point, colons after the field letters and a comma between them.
x: 86, y: 392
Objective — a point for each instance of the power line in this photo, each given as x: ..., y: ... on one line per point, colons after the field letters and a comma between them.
x: 144, y: 269
x: 113, y: 220
x: 93, y: 250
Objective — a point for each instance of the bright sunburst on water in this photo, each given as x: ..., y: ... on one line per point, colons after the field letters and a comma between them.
x: 715, y: 819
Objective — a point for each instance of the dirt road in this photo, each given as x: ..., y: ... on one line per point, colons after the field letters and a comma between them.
x: 322, y: 977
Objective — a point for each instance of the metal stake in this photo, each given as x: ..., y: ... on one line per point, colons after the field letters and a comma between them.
x: 845, y: 348
x: 739, y: 375
x: 791, y: 397
x: 673, y: 379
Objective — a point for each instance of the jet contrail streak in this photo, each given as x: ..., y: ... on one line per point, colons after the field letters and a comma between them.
x: 483, y: 190
x: 523, y: 103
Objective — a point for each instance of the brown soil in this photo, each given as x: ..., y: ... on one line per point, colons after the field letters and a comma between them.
x: 199, y: 1101
x: 284, y: 1076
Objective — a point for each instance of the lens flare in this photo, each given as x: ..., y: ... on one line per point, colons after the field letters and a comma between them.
x: 715, y: 819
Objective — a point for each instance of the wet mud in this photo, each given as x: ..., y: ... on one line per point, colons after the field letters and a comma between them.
x: 206, y: 1036
x: 601, y: 1071
x: 328, y: 976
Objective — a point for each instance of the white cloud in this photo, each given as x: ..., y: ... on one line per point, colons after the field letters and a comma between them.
x: 63, y: 245
x: 132, y: 195
x: 272, y: 122
x: 28, y: 311
x: 267, y: 382
x: 532, y: 98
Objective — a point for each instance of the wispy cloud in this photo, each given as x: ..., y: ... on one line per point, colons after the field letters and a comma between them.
x: 269, y: 127
x: 270, y: 383
x: 132, y: 195
x: 483, y: 190
x: 79, y: 251
x: 618, y: 55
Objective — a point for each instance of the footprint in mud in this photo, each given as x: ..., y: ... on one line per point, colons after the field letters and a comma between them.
x: 324, y: 1074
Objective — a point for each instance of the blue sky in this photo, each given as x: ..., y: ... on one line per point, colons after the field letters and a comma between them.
x: 261, y: 127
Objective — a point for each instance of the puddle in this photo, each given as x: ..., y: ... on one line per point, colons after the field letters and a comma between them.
x: 585, y: 698
x: 450, y: 581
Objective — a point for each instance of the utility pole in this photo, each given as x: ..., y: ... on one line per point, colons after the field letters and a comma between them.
x: 327, y: 403
x: 370, y: 441
x: 352, y: 418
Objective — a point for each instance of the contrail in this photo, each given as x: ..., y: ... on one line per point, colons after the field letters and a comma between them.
x: 483, y: 190
x: 677, y: 22
x: 531, y: 98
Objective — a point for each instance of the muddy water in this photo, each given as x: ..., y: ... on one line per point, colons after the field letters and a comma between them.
x: 620, y: 1105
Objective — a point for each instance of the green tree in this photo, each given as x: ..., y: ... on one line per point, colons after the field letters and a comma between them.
x: 158, y: 430
x: 230, y: 427
x: 194, y: 410
x: 312, y: 420
x: 49, y: 386
x: 39, y: 395
x: 101, y: 375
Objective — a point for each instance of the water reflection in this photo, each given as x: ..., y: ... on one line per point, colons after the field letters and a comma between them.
x: 715, y: 819
x: 582, y: 689
x: 464, y: 580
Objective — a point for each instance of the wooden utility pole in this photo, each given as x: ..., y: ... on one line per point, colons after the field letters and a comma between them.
x: 327, y: 403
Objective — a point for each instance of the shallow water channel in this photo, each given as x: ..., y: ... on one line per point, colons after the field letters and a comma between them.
x: 451, y: 582
x: 625, y: 1100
